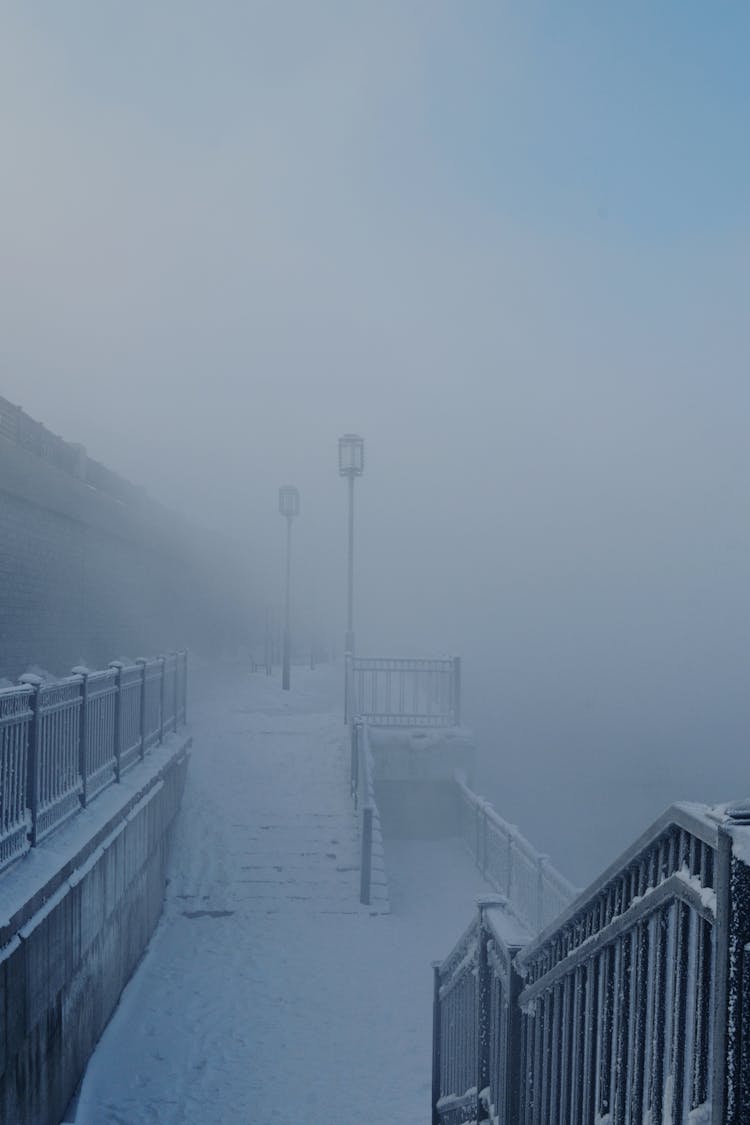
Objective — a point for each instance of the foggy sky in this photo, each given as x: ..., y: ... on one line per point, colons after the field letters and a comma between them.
x: 508, y: 244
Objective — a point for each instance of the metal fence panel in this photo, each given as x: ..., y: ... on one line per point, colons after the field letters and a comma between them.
x: 151, y: 716
x: 61, y: 743
x: 130, y: 732
x: 394, y: 692
x: 15, y: 721
x: 56, y: 779
x: 99, y: 757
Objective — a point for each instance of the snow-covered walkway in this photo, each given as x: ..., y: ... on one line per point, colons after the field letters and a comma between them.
x: 268, y: 994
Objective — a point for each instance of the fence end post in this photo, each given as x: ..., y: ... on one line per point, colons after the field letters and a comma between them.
x: 436, y: 1081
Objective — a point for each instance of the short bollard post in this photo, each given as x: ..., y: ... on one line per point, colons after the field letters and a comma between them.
x: 366, y: 873
x: 355, y: 764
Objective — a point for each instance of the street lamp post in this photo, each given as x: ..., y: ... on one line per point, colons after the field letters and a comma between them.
x: 351, y: 465
x: 288, y: 507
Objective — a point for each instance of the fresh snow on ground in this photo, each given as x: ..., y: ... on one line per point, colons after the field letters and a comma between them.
x: 268, y: 994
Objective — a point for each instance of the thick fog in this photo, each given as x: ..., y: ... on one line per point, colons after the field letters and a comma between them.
x: 509, y: 246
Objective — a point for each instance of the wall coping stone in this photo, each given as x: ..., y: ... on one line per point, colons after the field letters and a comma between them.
x: 28, y: 885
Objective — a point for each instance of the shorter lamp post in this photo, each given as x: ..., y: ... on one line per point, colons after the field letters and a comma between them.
x: 288, y: 507
x: 351, y: 465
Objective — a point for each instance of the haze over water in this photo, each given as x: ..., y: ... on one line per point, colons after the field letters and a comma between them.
x: 508, y: 245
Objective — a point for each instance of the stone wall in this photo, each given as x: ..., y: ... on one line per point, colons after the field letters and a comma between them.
x: 69, y: 949
x: 90, y: 572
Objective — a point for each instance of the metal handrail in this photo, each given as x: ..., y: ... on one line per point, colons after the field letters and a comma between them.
x: 632, y: 1004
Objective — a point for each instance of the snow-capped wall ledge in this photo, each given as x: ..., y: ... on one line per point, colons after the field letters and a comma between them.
x: 76, y: 914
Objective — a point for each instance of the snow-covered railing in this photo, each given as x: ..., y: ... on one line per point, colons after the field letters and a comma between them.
x: 62, y: 742
x: 392, y: 692
x: 634, y: 1005
x: 535, y: 890
x: 474, y: 1055
x: 363, y: 794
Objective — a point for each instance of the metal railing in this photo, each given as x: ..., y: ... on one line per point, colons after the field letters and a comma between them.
x: 62, y: 743
x: 535, y: 890
x: 393, y: 692
x: 363, y: 795
x: 474, y: 1053
x: 633, y: 1006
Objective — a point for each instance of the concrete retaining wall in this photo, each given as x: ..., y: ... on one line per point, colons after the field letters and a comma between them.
x: 67, y: 952
x: 87, y: 576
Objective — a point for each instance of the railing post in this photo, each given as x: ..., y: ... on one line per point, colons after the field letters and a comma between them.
x: 176, y: 690
x: 184, y: 684
x: 162, y: 692
x: 483, y: 1009
x: 142, y: 661
x: 457, y: 690
x: 83, y: 732
x: 436, y: 1083
x: 513, y: 1055
x: 35, y: 745
x: 731, y: 1077
x: 366, y: 860
x: 117, y: 666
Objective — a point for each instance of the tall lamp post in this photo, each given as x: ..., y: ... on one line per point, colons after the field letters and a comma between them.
x: 351, y: 465
x: 289, y: 507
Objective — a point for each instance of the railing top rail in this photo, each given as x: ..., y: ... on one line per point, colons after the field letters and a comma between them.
x: 520, y: 843
x: 396, y: 664
x: 696, y: 820
x: 20, y: 689
x: 106, y: 675
x: 448, y: 966
x: 50, y: 687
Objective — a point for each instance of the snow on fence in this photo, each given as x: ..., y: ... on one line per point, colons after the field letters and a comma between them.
x: 363, y: 794
x: 392, y: 692
x: 633, y: 1006
x: 61, y: 743
x: 535, y: 890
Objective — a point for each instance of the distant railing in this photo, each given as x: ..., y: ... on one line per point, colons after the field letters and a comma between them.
x: 363, y: 794
x: 633, y: 1006
x: 393, y: 692
x: 535, y: 890
x: 61, y: 743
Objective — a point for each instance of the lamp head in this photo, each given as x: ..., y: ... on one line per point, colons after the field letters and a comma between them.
x: 351, y: 456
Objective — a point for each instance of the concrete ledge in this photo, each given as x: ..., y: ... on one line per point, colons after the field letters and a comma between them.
x: 421, y: 753
x: 77, y: 914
